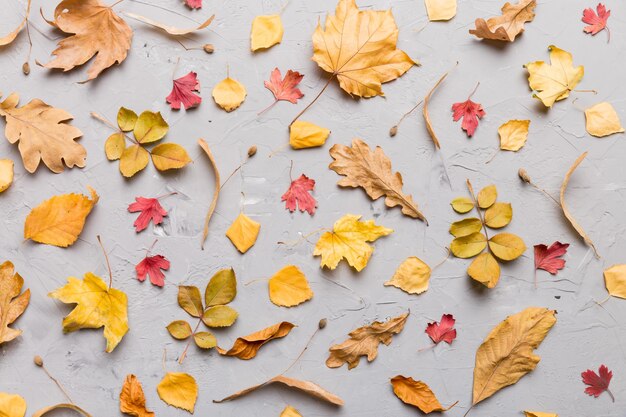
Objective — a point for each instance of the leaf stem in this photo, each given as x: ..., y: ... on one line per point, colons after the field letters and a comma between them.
x: 184, y: 354
x: 106, y: 257
x: 267, y: 108
x: 314, y: 100
x: 394, y: 129
x: 112, y: 126
x: 317, y: 329
x: 480, y: 215
x: 610, y: 394
x: 442, y: 261
x: 473, y: 91
x: 608, y: 32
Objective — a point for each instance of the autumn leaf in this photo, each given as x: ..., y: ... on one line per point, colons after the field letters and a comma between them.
x: 166, y: 156
x: 179, y: 389
x: 95, y: 30
x: 284, y: 88
x: 151, y: 266
x: 507, y: 26
x: 548, y: 258
x: 193, y: 4
x: 7, y: 39
x: 184, y: 92
x: 597, y: 22
x: 442, y: 331
x: 298, y: 195
x: 513, y: 134
x: 62, y: 406
x: 470, y: 112
x: 416, y: 393
x: 348, y: 240
x: 12, y: 303
x: 243, y: 232
x: 221, y: 289
x: 411, y: 276
x: 602, y: 120
x: 43, y: 135
x: 59, y: 220
x: 440, y: 9
x: 615, y: 280
x: 12, y: 405
x: 6, y: 174
x: 175, y: 31
x: 229, y: 94
x: 132, y: 398
x: 97, y: 306
x: 216, y: 193
x: 247, y: 347
x: 507, y: 353
x: 289, y: 287
x: 289, y: 411
x: 307, y: 135
x: 267, y: 31
x: 539, y: 414
x: 364, y: 341
x: 598, y: 383
x: 150, y: 210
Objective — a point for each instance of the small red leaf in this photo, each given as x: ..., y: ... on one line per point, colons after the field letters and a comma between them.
x: 150, y: 209
x: 596, y: 22
x: 444, y: 330
x: 297, y: 194
x: 194, y: 4
x: 548, y: 258
x: 151, y: 266
x: 286, y: 88
x: 184, y: 92
x: 598, y: 383
x: 470, y: 112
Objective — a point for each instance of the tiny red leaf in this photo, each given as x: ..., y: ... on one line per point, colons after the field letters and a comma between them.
x: 194, y: 4
x: 598, y: 383
x: 184, y: 92
x: 470, y: 112
x: 150, y: 209
x: 444, y: 330
x: 548, y: 258
x: 151, y: 266
x: 297, y: 194
x: 596, y: 22
x: 285, y: 88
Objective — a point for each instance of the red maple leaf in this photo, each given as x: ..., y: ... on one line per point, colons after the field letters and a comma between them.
x: 444, y: 330
x: 297, y: 194
x: 151, y: 266
x: 284, y: 88
x: 194, y: 4
x: 598, y: 383
x: 548, y: 258
x: 470, y: 112
x: 183, y: 92
x: 596, y: 22
x: 150, y: 209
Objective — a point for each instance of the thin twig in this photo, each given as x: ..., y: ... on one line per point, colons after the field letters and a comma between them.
x: 40, y: 363
x: 394, y: 129
x: 184, y: 354
x: 314, y: 100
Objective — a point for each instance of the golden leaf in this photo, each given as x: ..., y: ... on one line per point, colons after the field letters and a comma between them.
x: 243, y: 232
x: 539, y: 414
x: 289, y: 411
x: 289, y: 287
x: 554, y: 81
x: 462, y: 205
x: 12, y: 405
x: 364, y: 341
x: 507, y: 246
x: 59, y: 220
x: 499, y: 215
x: 134, y: 159
x: 507, y: 26
x: 126, y: 119
x: 466, y: 227
x: 95, y: 30
x: 43, y: 135
x: 205, y: 340
x: 216, y: 192
x: 411, y: 276
x: 615, y: 280
x: 7, y: 39
x: 12, y: 303
x: 6, y: 174
x: 132, y: 398
x: 247, y: 347
x: 97, y: 306
x: 372, y: 171
x: 602, y: 120
x: 149, y: 127
x: 62, y: 406
x: 219, y: 316
x: 307, y: 135
x: 189, y: 299
x: 266, y: 32
x: 229, y: 94
x: 221, y: 289
x: 485, y: 269
x: 440, y: 9
x: 179, y: 390
x: 416, y: 393
x: 506, y: 355
x: 468, y: 246
x: 114, y: 146
x: 170, y: 29
x: 487, y: 196
x: 513, y: 134
x: 179, y: 329
x: 169, y: 156
x: 360, y: 62
x: 348, y: 240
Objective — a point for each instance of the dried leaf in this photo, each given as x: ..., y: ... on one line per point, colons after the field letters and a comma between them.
x: 150, y: 210
x: 411, y: 276
x: 221, y: 289
x: 46, y: 410
x: 499, y: 215
x: 243, y: 232
x: 6, y: 174
x: 598, y: 383
x: 169, y: 29
x: 615, y: 280
x: 179, y: 390
x: 219, y: 316
x: 205, y: 340
x: 132, y: 398
x: 216, y: 192
x: 471, y: 112
x: 289, y: 411
x: 440, y: 9
x: 554, y: 81
x: 426, y: 114
x: 7, y: 39
x: 602, y: 120
x: 189, y: 299
x: 298, y: 195
x: 285, y: 88
x: 12, y: 303
x: 289, y: 287
x: 266, y: 32
x: 169, y: 156
x: 416, y: 393
x: 596, y: 22
x: 539, y: 414
x: 462, y: 205
x: 247, y: 347
x: 185, y: 92
x: 485, y: 269
x: 229, y: 94
x: 468, y: 246
x: 507, y: 246
x: 466, y: 227
x: 487, y: 196
x: 12, y: 405
x: 513, y: 134
x: 507, y: 26
x: 442, y: 331
x: 307, y: 135
x: 549, y: 258
x: 151, y: 266
x: 179, y: 329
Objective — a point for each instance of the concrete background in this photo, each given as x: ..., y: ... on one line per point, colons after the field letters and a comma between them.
x: 585, y: 335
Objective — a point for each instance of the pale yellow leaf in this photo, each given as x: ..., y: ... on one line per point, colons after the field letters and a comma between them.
x: 487, y: 196
x: 169, y: 156
x: 289, y: 287
x: 307, y: 135
x: 485, y: 269
x: 229, y: 94
x: 507, y: 26
x: 602, y: 120
x: 266, y: 32
x: 498, y: 215
x: 216, y: 192
x: 468, y: 246
x: 126, y: 119
x: 462, y: 205
x: 179, y: 390
x: 513, y: 134
x: 114, y: 146
x: 507, y: 246
x: 12, y: 405
x: 243, y: 232
x: 6, y: 174
x: 411, y: 276
x: 134, y: 159
x: 466, y: 227
x: 554, y: 81
x: 219, y: 316
x: 615, y: 280
x: 440, y: 9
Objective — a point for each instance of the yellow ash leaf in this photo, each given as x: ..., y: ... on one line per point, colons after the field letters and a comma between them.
x: 247, y: 347
x: 6, y: 174
x: 468, y: 246
x: 462, y: 205
x: 205, y: 340
x: 169, y: 156
x: 602, y: 120
x: 12, y: 405
x: 221, y: 289
x: 179, y: 390
x: 59, y: 220
x: 12, y: 303
x: 416, y: 393
x: 465, y: 227
x: 411, y: 276
x: 440, y: 9
x: 507, y: 26
x: 219, y: 316
x: 507, y: 354
x: 126, y: 119
x: 499, y: 215
x: 539, y: 414
x: 243, y: 232
x: 615, y: 280
x: 507, y: 246
x: 229, y: 94
x: 97, y: 306
x: 179, y: 329
x: 134, y: 159
x: 150, y: 127
x: 289, y: 287
x: 487, y: 196
x: 307, y: 135
x: 114, y: 146
x: 289, y: 411
x: 266, y: 32
x: 132, y: 398
x: 513, y: 134
x: 485, y: 269
x: 348, y: 240
x: 189, y: 299
x: 359, y: 49
x: 554, y: 81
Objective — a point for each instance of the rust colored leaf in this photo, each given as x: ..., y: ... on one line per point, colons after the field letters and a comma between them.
x: 132, y: 398
x: 247, y: 347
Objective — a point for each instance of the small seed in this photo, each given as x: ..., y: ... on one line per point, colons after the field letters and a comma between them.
x: 322, y: 323
x: 393, y: 131
x: 524, y: 175
x: 208, y: 48
x: 38, y: 360
x: 26, y: 68
x: 252, y: 151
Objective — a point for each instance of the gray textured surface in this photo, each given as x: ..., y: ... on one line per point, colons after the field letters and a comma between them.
x: 584, y: 337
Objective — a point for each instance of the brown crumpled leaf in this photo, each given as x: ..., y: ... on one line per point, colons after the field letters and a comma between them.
x: 169, y: 29
x: 12, y: 303
x: 42, y: 134
x: 247, y: 347
x: 417, y: 394
x: 364, y: 341
x: 507, y: 26
x: 132, y: 398
x: 7, y: 39
x: 426, y: 114
x: 372, y: 171
x: 64, y: 406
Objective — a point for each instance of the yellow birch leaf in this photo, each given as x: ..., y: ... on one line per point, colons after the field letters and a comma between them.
x: 615, y: 280
x: 507, y: 246
x: 59, y: 220
x: 507, y: 26
x: 485, y: 269
x: 179, y: 329
x: 150, y: 127
x: 114, y: 146
x: 134, y: 159
x: 205, y: 340
x: 247, y: 347
x: 507, y: 354
x: 411, y: 276
x: 12, y: 405
x: 7, y: 39
x: 468, y: 246
x: 307, y: 135
x: 266, y: 32
x: 440, y: 9
x: 169, y: 156
x: 97, y: 306
x: 132, y: 398
x: 465, y: 227
x: 243, y: 232
x: 289, y: 287
x: 462, y: 205
x: 12, y: 303
x: 498, y: 215
x: 487, y: 196
x: 513, y: 134
x: 602, y: 120
x: 348, y: 240
x: 6, y: 174
x: 416, y: 393
x: 219, y: 316
x: 126, y: 119
x: 179, y: 390
x: 539, y: 414
x: 221, y: 289
x: 229, y: 94
x: 289, y: 411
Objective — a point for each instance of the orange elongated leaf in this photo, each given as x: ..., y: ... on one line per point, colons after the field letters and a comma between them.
x: 132, y: 398
x: 216, y: 193
x: 416, y: 393
x: 247, y: 347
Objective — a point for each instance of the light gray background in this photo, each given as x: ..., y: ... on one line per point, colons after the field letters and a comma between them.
x: 585, y: 335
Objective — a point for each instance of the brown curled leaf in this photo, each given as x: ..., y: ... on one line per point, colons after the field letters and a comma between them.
x: 247, y: 347
x: 429, y: 125
x: 73, y: 407
x: 7, y: 39
x: 169, y: 29
x: 216, y: 193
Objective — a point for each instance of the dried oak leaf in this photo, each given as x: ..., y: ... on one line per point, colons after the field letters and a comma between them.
x: 184, y: 92
x: 416, y: 393
x: 152, y: 266
x: 7, y: 39
x: 12, y: 303
x: 289, y: 287
x: 285, y: 88
x: 43, y: 134
x: 364, y: 341
x: 298, y: 195
x: 360, y: 62
x: 132, y: 398
x: 442, y: 331
x: 507, y: 353
x: 548, y: 258
x: 95, y: 29
x: 598, y: 383
x: 149, y: 209
x: 179, y: 389
x: 12, y: 405
x: 596, y: 22
x: 507, y: 26
x: 97, y: 306
x: 372, y: 171
x: 247, y: 347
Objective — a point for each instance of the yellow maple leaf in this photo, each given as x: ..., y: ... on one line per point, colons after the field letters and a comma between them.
x: 97, y: 306
x: 12, y: 303
x: 266, y: 32
x: 289, y: 287
x: 12, y: 405
x: 348, y: 240
x: 243, y: 232
x: 179, y: 390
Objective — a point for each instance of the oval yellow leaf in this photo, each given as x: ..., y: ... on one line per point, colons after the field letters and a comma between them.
x: 440, y: 9
x: 6, y: 174
x: 114, y: 146
x: 221, y: 289
x: 266, y: 32
x: 498, y: 215
x: 416, y: 393
x: 179, y: 329
x: 465, y: 227
x: 133, y: 159
x: 411, y: 276
x: 12, y: 405
x: 513, y: 134
x: 615, y: 280
x: 507, y: 246
x: 219, y: 316
x: 205, y: 340
x: 150, y: 127
x: 602, y: 120
x: 485, y: 269
x: 126, y: 119
x: 289, y: 287
x: 189, y: 299
x: 487, y: 196
x: 229, y: 94
x: 243, y: 232
x: 468, y: 246
x: 462, y: 205
x: 169, y: 156
x: 307, y: 135
x: 179, y: 390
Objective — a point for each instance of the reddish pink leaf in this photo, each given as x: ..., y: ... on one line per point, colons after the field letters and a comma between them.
x: 598, y: 383
x: 470, y: 112
x: 444, y: 330
x: 596, y: 22
x: 150, y: 209
x: 548, y: 258
x: 183, y: 92
x: 286, y: 88
x: 297, y: 194
x: 194, y: 4
x: 151, y: 266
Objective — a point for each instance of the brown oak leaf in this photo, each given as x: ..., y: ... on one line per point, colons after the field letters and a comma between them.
x: 507, y: 26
